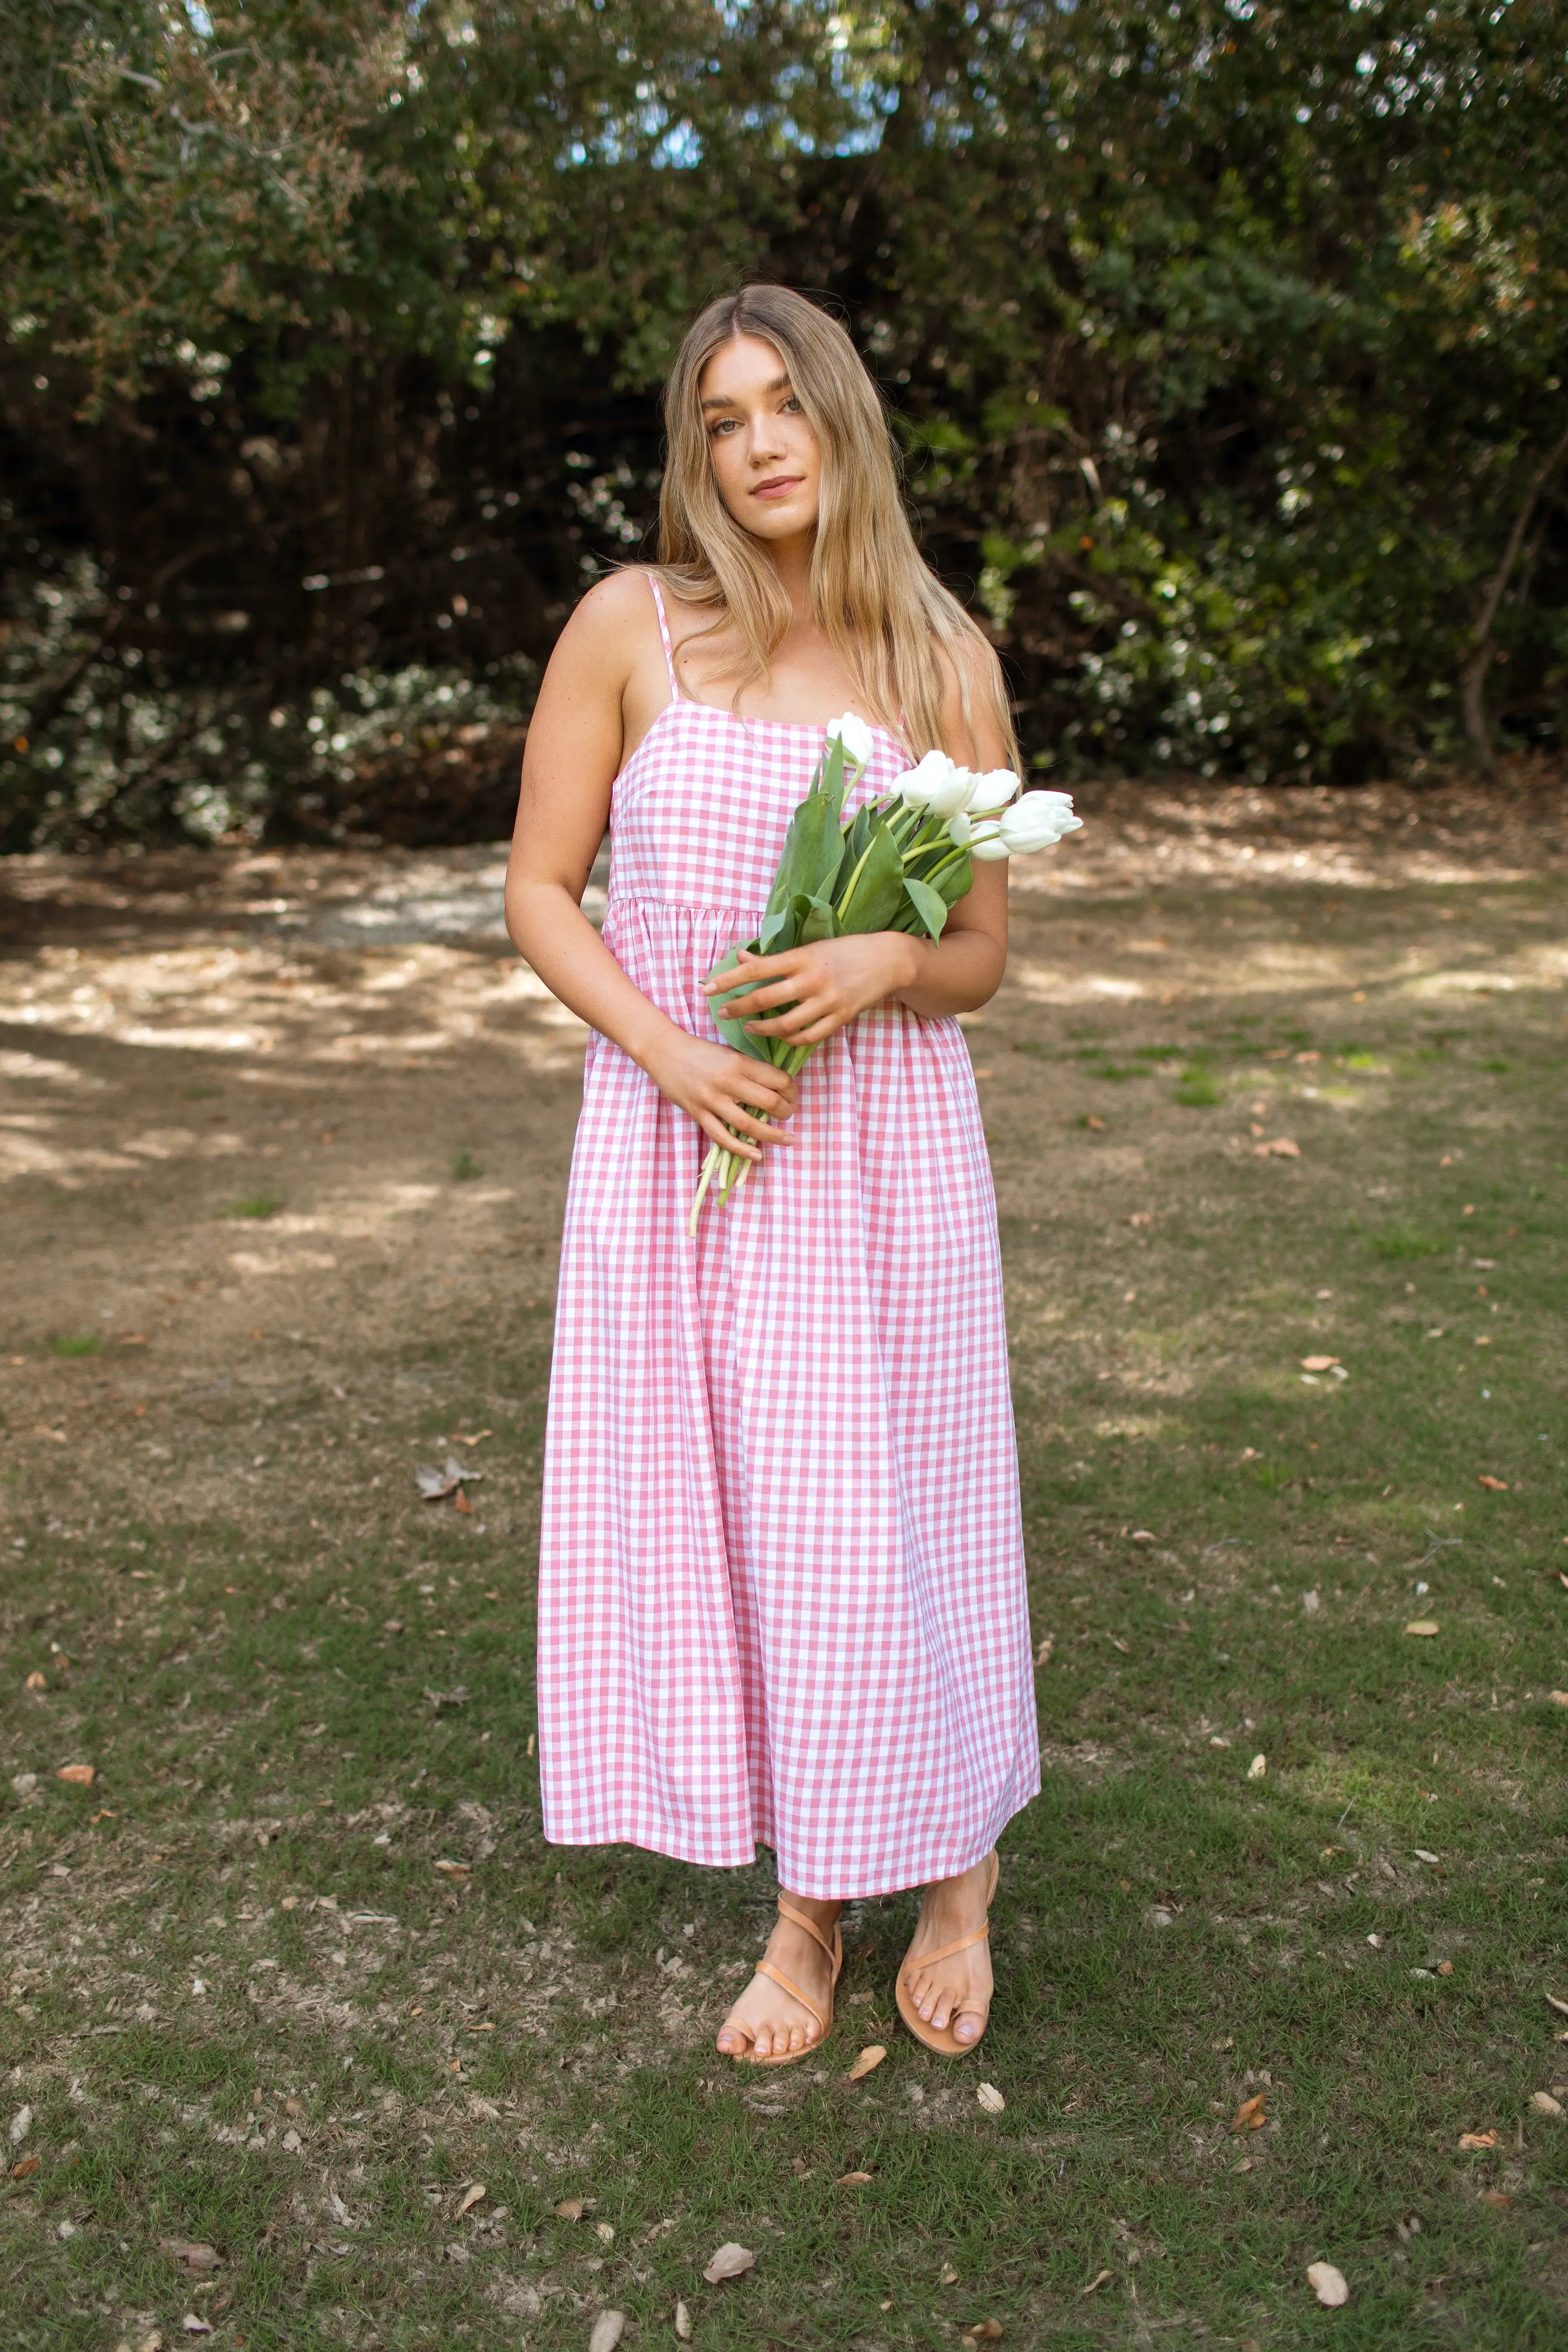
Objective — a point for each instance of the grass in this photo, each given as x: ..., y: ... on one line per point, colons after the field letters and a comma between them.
x: 254, y: 1204
x: 1199, y: 1089
x: 464, y: 1168
x: 70, y: 1344
x: 248, y: 2007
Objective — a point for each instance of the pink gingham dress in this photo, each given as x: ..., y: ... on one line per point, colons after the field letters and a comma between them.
x: 782, y: 1594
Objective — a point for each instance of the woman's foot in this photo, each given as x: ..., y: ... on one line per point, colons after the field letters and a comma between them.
x: 767, y: 2021
x: 956, y: 1992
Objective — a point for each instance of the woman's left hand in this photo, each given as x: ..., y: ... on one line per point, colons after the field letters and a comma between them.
x: 824, y: 985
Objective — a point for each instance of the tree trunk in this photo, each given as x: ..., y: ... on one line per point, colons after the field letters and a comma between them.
x: 1473, y: 676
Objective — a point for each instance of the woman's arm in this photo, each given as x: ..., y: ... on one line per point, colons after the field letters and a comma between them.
x: 570, y: 763
x: 827, y: 984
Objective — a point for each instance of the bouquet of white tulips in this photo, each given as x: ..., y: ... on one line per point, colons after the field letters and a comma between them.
x: 897, y: 864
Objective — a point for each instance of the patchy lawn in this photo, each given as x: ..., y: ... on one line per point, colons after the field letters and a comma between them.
x: 1282, y: 1157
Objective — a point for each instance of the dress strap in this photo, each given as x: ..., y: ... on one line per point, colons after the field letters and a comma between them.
x: 674, y: 693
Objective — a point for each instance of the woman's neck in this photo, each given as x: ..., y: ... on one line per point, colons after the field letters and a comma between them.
x: 791, y: 559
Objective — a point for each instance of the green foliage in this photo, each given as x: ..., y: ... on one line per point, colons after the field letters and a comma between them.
x: 1226, y: 345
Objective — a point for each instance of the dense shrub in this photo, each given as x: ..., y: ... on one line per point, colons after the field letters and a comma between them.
x: 1226, y: 343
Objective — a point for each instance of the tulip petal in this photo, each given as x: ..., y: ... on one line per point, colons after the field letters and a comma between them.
x: 993, y: 790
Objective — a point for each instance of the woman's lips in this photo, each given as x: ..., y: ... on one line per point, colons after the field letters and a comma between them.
x: 779, y: 486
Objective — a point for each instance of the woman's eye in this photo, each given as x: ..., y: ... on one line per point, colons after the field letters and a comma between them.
x: 792, y: 406
x: 724, y: 425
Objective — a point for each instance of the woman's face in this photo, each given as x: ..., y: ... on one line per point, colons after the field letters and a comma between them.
x: 767, y: 459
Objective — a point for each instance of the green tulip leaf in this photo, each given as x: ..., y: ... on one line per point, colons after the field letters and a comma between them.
x: 874, y: 888
x: 929, y: 904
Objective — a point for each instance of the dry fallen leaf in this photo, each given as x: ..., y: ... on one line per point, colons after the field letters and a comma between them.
x: 1425, y: 1627
x: 605, y: 2232
x: 731, y: 2262
x: 1496, y: 2197
x: 571, y: 2209
x: 870, y: 2058
x: 1098, y: 1124
x: 25, y: 2166
x: 1257, y: 1768
x: 859, y: 2180
x: 1560, y: 2006
x: 1318, y: 1363
x: 608, y: 2329
x: 1043, y: 1654
x: 1445, y: 1968
x: 1328, y: 2285
x: 683, y: 2322
x: 1497, y: 1486
x: 36, y: 1681
x: 81, y: 1776
x: 190, y: 2256
x: 1545, y: 2105
x: 1558, y: 1698
x: 470, y: 2198
x: 1279, y: 1147
x: 948, y: 2277
x: 984, y: 2331
x: 1478, y: 2139
x: 991, y: 2099
x: 436, y: 1485
x: 1096, y: 2283
x: 453, y: 1869
x: 1249, y: 2115
x: 463, y: 1504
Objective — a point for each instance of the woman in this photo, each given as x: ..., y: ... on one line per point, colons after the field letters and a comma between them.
x: 782, y: 1588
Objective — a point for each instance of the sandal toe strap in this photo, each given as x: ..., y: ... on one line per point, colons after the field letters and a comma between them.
x: 767, y: 1969
x: 946, y: 1951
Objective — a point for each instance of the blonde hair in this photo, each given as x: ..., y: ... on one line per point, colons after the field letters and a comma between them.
x: 891, y: 622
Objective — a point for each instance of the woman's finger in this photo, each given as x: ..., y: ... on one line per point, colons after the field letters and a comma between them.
x: 752, y: 971
x: 776, y: 1097
x: 717, y: 1130
x: 766, y: 992
x: 751, y: 1122
x: 793, y: 1023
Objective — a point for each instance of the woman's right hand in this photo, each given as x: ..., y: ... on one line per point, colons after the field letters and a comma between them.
x: 723, y: 1091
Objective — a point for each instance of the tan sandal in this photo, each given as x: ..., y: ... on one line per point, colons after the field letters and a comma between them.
x: 766, y: 1968
x: 946, y: 2041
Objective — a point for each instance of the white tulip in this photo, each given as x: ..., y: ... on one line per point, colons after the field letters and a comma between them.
x: 988, y: 844
x: 993, y: 790
x: 1036, y: 821
x: 952, y: 793
x: 854, y: 736
x: 917, y: 785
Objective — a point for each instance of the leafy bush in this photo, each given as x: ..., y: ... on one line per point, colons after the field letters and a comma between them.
x: 1225, y: 342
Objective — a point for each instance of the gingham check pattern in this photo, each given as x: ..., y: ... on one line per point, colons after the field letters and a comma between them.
x: 782, y: 1590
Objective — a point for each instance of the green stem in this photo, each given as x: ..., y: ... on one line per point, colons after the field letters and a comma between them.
x: 850, y: 887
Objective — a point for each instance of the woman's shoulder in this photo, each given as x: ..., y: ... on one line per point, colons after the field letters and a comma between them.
x: 622, y: 596
x: 973, y: 698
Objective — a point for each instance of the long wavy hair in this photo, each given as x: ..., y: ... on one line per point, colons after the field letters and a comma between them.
x: 894, y: 626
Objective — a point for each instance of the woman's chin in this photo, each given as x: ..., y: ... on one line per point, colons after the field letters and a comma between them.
x: 791, y: 520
